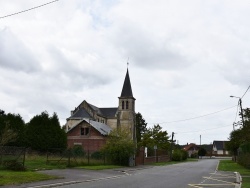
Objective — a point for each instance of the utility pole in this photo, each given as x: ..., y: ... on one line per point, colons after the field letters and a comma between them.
x: 171, y: 146
x: 240, y: 102
x: 200, y: 140
x: 241, y: 111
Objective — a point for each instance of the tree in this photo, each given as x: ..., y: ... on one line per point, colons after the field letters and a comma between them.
x: 155, y: 136
x: 119, y: 147
x: 11, y: 129
x: 44, y: 132
x: 202, y: 152
x: 141, y: 126
x: 241, y: 135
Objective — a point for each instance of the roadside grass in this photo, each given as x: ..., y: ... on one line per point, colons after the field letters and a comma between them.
x: 99, y: 167
x: 228, y: 165
x: 174, y: 162
x: 15, y: 178
x: 34, y: 163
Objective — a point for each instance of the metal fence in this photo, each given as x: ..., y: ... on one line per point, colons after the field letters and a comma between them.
x: 12, y: 157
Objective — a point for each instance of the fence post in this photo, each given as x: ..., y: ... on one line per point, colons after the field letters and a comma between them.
x: 88, y: 156
x: 24, y: 156
x: 69, y: 155
x: 47, y: 157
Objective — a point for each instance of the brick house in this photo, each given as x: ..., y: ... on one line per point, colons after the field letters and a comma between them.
x: 89, y: 125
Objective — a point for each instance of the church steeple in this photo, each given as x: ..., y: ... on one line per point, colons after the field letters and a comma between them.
x: 127, y: 89
x: 126, y: 108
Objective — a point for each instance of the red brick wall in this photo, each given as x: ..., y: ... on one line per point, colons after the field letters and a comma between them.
x: 92, y: 142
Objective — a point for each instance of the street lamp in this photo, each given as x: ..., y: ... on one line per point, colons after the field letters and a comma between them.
x: 240, y: 102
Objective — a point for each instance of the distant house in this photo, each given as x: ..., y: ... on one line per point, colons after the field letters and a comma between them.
x: 191, y: 149
x: 219, y: 148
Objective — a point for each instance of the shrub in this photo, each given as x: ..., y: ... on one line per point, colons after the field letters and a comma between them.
x: 179, y: 155
x: 194, y: 155
x: 78, y: 151
x: 97, y: 155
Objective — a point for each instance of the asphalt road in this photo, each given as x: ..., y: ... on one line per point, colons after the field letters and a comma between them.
x: 172, y: 176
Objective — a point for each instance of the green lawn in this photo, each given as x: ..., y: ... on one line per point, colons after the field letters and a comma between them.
x: 228, y: 165
x: 14, y: 178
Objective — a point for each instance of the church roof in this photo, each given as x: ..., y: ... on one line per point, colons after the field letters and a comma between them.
x: 81, y: 113
x: 127, y: 89
x: 108, y: 112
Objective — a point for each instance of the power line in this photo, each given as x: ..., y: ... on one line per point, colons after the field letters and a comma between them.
x: 202, y: 130
x: 245, y: 92
x: 196, y: 116
x: 29, y: 9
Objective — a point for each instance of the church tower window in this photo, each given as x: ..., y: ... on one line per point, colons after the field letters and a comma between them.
x: 126, y: 104
x: 123, y: 105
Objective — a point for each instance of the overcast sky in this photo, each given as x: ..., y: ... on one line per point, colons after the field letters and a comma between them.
x: 185, y: 59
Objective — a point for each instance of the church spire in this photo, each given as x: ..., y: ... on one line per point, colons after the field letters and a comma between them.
x: 127, y: 89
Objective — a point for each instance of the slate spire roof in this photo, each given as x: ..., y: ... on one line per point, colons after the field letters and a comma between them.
x: 127, y: 89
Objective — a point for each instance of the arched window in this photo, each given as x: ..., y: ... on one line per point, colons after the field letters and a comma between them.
x: 126, y: 104
x: 123, y: 105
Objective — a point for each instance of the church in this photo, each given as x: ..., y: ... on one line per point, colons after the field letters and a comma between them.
x: 89, y: 125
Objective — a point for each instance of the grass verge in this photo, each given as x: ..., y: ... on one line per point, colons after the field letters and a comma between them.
x: 99, y: 167
x: 16, y: 178
x: 228, y: 165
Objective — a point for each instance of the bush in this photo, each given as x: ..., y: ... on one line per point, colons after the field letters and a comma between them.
x: 194, y: 155
x: 244, y: 155
x: 13, y: 165
x: 179, y: 155
x: 184, y: 155
x: 78, y: 151
x: 97, y: 155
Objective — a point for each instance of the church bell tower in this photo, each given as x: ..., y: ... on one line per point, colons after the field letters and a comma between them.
x: 126, y: 108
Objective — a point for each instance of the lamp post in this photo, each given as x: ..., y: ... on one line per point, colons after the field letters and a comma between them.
x: 240, y: 102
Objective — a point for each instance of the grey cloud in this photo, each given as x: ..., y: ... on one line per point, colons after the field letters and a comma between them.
x: 75, y: 77
x: 14, y: 54
x: 148, y: 52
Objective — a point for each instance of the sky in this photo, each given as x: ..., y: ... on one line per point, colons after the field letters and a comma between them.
x: 185, y: 59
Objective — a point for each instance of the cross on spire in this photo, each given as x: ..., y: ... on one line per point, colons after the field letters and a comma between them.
x: 128, y: 62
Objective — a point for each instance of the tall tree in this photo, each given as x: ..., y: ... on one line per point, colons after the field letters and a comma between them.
x: 11, y: 129
x: 44, y: 132
x: 141, y: 126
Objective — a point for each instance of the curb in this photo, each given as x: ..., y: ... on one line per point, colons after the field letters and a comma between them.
x: 238, y: 181
x: 74, y: 182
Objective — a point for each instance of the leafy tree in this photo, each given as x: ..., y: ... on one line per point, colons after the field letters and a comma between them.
x: 241, y: 135
x: 119, y: 147
x: 156, y: 136
x: 141, y: 126
x: 11, y: 129
x: 202, y: 152
x: 44, y: 132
